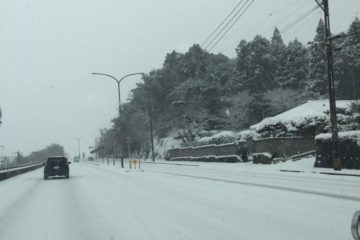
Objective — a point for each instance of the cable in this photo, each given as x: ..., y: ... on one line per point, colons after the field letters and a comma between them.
x: 226, y: 25
x: 304, y: 23
x: 271, y: 14
x: 288, y: 16
x: 299, y: 19
x: 232, y: 11
x: 222, y: 36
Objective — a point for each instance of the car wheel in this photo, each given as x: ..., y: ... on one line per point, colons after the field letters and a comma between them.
x: 46, y: 177
x: 67, y: 175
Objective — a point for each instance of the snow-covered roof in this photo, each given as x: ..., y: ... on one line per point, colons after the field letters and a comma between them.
x: 295, y: 116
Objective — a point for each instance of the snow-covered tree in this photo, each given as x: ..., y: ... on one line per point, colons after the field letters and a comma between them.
x: 295, y: 68
x: 254, y: 65
x: 318, y: 63
x: 278, y: 59
x: 349, y: 64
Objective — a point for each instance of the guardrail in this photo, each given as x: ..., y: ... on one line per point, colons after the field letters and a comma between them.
x: 302, y: 155
x: 18, y: 169
x: 12, y: 166
x: 91, y: 162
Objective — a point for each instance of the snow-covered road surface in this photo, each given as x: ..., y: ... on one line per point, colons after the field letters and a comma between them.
x: 211, y: 201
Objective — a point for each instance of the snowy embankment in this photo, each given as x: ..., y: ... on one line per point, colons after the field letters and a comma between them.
x: 307, y: 114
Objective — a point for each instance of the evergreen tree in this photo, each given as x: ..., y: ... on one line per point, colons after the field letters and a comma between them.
x: 254, y: 65
x: 349, y: 66
x: 258, y: 108
x: 296, y: 66
x: 318, y: 63
x: 278, y: 59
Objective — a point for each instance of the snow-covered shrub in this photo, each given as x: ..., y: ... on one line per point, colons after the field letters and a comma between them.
x: 349, y: 150
x: 263, y: 158
x: 223, y: 137
x: 247, y: 135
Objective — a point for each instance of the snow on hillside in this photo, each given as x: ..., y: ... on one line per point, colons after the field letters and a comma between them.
x: 163, y: 145
x: 306, y: 113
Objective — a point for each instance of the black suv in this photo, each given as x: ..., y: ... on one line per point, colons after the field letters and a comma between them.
x: 56, y: 166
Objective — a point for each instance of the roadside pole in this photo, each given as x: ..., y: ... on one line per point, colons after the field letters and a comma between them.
x: 331, y: 83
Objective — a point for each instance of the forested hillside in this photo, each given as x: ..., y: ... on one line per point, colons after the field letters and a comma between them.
x: 198, y: 92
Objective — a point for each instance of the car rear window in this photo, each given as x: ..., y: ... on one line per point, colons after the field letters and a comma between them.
x: 57, y: 160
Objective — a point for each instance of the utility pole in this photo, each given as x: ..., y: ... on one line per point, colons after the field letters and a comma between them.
x: 151, y: 125
x: 151, y: 132
x: 331, y: 85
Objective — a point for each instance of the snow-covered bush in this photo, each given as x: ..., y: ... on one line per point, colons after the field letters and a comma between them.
x: 349, y: 150
x: 247, y: 135
x: 263, y: 158
x: 223, y: 137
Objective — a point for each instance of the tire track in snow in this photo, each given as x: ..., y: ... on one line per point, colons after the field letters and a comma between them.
x: 289, y: 189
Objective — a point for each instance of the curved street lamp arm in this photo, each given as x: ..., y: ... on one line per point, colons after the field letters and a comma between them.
x: 107, y: 75
x: 139, y: 73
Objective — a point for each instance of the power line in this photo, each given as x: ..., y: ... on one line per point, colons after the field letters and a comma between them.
x: 288, y: 16
x: 222, y: 36
x: 304, y: 23
x: 227, y: 24
x: 299, y: 19
x: 227, y: 17
x: 271, y: 14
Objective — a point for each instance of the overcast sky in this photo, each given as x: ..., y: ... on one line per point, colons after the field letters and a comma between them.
x: 48, y: 48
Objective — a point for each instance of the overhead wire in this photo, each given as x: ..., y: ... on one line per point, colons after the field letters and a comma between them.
x: 299, y: 19
x: 268, y: 16
x: 217, y: 28
x: 227, y: 24
x: 304, y: 23
x: 288, y: 16
x: 236, y: 20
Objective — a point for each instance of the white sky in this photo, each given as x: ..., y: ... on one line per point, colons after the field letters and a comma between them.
x: 48, y: 48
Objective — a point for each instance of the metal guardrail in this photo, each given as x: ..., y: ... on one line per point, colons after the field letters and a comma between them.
x: 295, y: 157
x: 12, y: 166
x: 18, y: 169
x: 302, y: 155
x: 91, y: 162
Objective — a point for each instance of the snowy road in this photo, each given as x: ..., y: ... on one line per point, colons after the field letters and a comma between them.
x: 212, y: 201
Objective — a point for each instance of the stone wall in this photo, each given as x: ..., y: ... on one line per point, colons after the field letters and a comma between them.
x: 231, y: 152
x: 283, y: 146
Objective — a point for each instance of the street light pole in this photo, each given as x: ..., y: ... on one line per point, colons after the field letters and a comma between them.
x: 118, y: 81
x: 78, y: 140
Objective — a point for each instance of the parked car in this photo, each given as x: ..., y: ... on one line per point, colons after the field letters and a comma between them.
x: 76, y: 159
x: 56, y: 166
